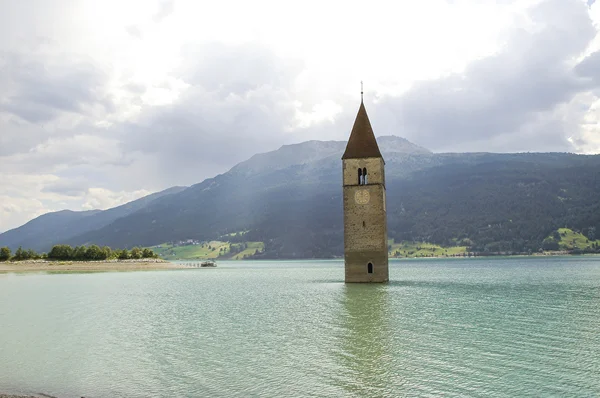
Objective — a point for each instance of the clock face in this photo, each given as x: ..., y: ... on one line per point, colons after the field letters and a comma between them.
x: 362, y: 197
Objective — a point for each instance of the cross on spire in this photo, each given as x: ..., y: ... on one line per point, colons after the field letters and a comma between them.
x: 361, y: 91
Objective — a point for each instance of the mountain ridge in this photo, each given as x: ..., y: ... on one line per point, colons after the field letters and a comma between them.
x: 290, y: 199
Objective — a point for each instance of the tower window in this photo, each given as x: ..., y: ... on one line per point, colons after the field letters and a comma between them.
x: 370, y: 268
x: 362, y: 176
x: 364, y: 225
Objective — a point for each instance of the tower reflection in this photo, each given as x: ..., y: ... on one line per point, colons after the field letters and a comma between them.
x: 364, y: 354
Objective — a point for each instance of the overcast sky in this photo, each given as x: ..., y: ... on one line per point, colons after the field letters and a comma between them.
x: 102, y: 102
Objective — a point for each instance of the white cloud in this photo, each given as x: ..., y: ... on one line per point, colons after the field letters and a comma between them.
x: 25, y: 196
x: 15, y: 211
x: 105, y: 100
x: 21, y: 197
x: 59, y: 154
x: 100, y: 198
x: 325, y: 111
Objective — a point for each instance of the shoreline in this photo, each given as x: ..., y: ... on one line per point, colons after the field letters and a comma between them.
x: 160, y: 264
x: 18, y: 396
x: 86, y: 266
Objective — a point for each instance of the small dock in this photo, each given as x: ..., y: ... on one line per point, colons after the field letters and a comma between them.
x: 202, y: 264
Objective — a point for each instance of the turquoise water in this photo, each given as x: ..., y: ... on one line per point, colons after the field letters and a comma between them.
x: 489, y: 328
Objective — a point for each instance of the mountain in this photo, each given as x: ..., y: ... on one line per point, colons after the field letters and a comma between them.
x: 43, y: 232
x: 278, y: 188
x: 316, y: 151
x: 290, y: 199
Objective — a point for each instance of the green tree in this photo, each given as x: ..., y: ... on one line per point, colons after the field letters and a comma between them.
x: 94, y: 253
x: 61, y: 252
x: 147, y: 253
x: 4, y: 254
x: 107, y: 252
x: 550, y: 244
x: 79, y: 253
x: 466, y: 242
x: 136, y: 253
x: 19, y: 254
x: 30, y: 254
x: 123, y: 255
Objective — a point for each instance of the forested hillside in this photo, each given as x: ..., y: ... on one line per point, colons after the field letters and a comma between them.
x: 291, y: 200
x: 489, y: 202
x: 498, y: 205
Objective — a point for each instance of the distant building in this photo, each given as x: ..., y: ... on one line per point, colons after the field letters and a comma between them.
x: 365, y: 220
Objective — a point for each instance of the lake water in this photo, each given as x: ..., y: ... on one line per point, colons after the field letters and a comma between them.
x: 473, y: 327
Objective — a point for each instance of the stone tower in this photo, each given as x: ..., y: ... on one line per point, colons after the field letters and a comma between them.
x: 365, y: 220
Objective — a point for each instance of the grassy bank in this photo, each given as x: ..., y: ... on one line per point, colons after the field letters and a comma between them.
x: 208, y: 250
x: 424, y: 249
x: 571, y: 240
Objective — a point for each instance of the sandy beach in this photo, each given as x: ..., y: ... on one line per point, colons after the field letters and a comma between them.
x: 86, y: 266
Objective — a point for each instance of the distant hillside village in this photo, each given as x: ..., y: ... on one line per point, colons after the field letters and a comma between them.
x: 186, y: 242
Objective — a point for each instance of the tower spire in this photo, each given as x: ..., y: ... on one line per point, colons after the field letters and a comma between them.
x: 362, y: 142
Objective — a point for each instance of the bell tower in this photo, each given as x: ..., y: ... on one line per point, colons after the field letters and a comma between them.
x: 365, y: 219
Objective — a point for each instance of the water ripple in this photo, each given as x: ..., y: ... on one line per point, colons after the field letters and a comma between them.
x: 454, y: 329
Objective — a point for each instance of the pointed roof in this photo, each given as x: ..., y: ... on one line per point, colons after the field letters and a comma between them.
x: 362, y: 142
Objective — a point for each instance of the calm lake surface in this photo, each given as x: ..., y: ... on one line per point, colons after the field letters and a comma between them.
x: 479, y: 327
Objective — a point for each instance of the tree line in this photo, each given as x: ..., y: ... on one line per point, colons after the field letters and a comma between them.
x: 77, y: 253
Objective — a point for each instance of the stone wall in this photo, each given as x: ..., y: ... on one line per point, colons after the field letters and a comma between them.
x: 375, y: 170
x: 356, y: 269
x: 365, y: 224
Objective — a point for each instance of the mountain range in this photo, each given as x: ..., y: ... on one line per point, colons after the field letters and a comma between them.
x: 291, y: 200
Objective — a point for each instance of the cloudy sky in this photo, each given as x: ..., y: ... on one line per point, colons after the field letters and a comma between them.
x: 102, y: 102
